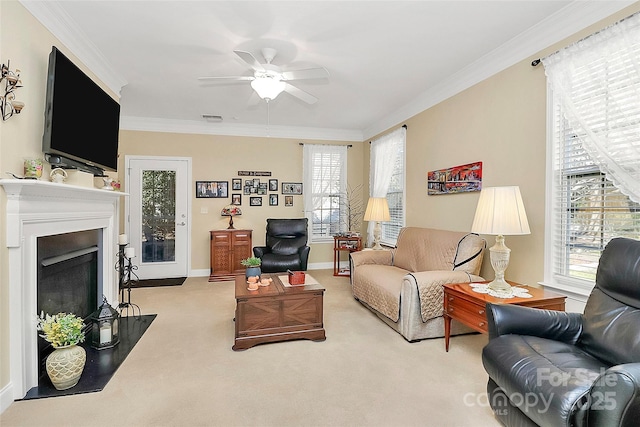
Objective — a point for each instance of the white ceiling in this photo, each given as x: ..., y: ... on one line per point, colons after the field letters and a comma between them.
x: 387, y: 60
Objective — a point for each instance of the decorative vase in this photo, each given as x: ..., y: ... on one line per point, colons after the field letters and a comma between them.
x: 64, y: 366
x: 253, y: 271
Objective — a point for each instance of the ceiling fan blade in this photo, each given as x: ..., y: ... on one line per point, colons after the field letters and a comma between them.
x: 250, y: 60
x: 228, y: 78
x: 309, y: 73
x: 300, y: 94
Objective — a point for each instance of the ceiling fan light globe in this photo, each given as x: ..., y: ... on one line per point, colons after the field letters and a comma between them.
x: 268, y: 88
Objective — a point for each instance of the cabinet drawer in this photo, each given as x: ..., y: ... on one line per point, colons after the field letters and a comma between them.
x: 474, y: 315
x: 241, y: 237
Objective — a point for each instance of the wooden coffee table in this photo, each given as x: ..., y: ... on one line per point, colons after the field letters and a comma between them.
x: 469, y: 307
x: 277, y: 312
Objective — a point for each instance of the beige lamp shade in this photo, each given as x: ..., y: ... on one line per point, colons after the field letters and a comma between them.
x: 377, y: 210
x: 500, y: 211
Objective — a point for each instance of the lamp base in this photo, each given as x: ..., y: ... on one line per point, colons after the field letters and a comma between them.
x: 499, y: 285
x: 230, y: 227
x: 377, y: 234
x: 499, y: 254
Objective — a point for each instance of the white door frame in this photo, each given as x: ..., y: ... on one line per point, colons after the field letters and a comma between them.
x: 126, y: 216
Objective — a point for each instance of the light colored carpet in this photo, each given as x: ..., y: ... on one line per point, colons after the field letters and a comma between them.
x: 184, y: 373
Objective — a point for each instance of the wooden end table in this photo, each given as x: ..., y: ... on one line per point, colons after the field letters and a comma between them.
x: 346, y: 244
x: 469, y: 307
x: 277, y: 312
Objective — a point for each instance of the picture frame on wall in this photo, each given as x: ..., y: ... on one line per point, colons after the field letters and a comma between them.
x: 273, y: 185
x: 255, y: 201
x: 288, y: 201
x: 273, y: 200
x: 292, y: 188
x: 236, y: 199
x: 212, y: 189
x: 262, y: 188
x: 236, y: 184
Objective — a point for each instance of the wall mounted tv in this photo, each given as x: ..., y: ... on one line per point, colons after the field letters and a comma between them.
x: 81, y: 121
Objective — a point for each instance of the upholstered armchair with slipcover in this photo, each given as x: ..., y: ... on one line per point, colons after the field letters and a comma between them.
x: 285, y: 246
x: 551, y: 368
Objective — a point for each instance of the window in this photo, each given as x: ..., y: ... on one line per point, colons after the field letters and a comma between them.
x: 325, y: 178
x: 387, y: 179
x: 395, y: 199
x: 587, y: 210
x: 594, y: 152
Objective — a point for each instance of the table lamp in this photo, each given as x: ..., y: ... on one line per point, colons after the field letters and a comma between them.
x: 231, y: 211
x: 500, y: 212
x: 377, y: 210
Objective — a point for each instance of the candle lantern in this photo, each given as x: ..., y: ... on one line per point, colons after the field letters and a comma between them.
x: 104, y: 327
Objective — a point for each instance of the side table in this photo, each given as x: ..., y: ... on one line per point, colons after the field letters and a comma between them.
x: 344, y: 244
x: 464, y: 305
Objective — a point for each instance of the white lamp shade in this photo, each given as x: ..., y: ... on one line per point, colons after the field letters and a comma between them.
x: 267, y: 87
x: 377, y: 210
x: 500, y: 211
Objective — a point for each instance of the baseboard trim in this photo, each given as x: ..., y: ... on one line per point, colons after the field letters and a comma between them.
x: 6, y: 397
x: 203, y: 272
x: 320, y: 266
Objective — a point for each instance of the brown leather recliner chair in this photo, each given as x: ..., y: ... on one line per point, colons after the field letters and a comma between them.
x: 552, y: 368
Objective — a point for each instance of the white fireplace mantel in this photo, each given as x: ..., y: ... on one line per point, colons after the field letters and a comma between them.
x: 40, y: 208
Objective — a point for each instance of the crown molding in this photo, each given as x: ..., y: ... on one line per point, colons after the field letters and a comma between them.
x: 205, y: 128
x: 569, y: 20
x: 65, y: 29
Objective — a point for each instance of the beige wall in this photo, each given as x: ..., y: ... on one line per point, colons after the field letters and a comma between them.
x: 219, y: 158
x: 500, y: 121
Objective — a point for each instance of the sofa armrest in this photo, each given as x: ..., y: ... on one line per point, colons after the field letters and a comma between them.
x: 615, y: 397
x: 384, y: 257
x: 259, y: 251
x: 506, y: 319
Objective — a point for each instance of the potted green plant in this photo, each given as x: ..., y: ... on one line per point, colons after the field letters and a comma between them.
x: 253, y: 266
x: 65, y: 364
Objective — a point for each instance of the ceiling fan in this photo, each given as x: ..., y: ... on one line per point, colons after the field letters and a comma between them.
x: 269, y: 80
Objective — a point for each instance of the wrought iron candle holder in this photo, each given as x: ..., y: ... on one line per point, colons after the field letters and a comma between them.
x: 126, y: 278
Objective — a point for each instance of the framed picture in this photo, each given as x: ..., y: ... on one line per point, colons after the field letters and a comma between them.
x: 262, y: 188
x: 236, y: 199
x: 256, y: 182
x: 291, y: 188
x: 247, y: 190
x: 288, y: 201
x: 255, y: 201
x: 457, y: 179
x: 212, y: 189
x: 236, y: 184
x: 273, y: 185
x: 273, y: 200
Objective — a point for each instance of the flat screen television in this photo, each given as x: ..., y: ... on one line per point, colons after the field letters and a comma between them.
x: 81, y: 120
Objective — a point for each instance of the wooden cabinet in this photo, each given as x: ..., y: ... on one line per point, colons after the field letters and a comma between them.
x: 342, y: 244
x: 228, y: 248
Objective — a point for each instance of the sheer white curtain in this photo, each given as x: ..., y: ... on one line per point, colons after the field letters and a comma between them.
x: 597, y: 81
x: 382, y: 161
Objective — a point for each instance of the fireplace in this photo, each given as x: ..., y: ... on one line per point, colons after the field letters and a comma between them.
x: 37, y: 210
x: 67, y: 280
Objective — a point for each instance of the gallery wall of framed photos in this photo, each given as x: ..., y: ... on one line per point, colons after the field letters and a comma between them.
x: 253, y: 185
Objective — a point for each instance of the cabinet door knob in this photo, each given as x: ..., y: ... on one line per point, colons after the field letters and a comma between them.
x: 450, y: 309
x: 481, y: 324
x: 450, y: 298
x: 480, y: 311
